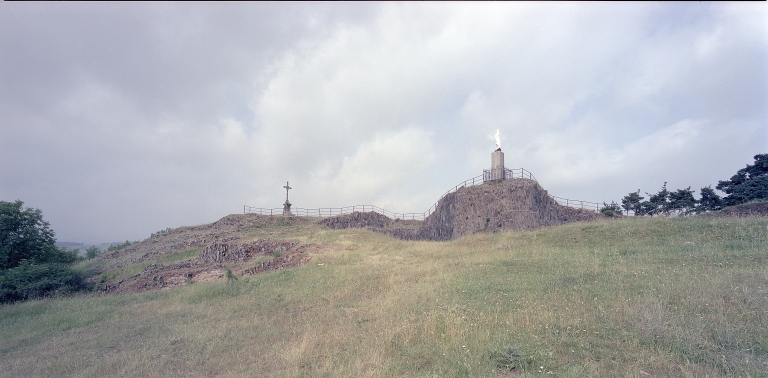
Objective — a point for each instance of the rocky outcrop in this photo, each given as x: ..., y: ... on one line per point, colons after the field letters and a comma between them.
x: 358, y: 220
x: 212, y: 263
x: 516, y: 204
x: 226, y: 252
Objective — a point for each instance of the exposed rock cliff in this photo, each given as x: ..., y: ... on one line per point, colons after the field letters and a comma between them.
x: 516, y: 204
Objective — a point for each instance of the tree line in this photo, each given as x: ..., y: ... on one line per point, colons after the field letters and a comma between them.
x: 747, y: 185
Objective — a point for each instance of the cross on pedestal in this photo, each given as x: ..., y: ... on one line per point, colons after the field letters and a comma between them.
x: 287, y: 205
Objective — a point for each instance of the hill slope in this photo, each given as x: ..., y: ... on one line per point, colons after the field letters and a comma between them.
x: 633, y: 297
x: 177, y: 257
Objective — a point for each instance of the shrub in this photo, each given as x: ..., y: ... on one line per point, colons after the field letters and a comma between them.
x: 509, y: 359
x: 30, y: 280
x: 613, y: 207
x: 231, y: 277
x: 91, y: 252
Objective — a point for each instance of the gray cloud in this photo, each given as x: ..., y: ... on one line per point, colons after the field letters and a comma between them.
x: 121, y: 119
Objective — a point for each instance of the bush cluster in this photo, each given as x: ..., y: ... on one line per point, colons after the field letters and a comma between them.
x: 31, y: 280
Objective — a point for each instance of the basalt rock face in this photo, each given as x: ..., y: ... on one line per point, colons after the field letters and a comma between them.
x: 358, y: 220
x: 234, y: 252
x: 515, y: 204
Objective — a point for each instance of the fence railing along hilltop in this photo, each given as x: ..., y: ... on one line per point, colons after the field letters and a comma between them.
x: 488, y: 175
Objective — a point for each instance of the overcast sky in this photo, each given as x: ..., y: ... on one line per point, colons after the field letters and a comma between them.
x: 118, y: 120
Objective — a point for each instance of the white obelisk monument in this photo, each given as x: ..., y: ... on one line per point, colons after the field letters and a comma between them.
x: 497, y: 160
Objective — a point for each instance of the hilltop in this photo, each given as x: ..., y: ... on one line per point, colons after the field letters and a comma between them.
x: 495, y: 206
x: 177, y: 257
x: 240, y: 243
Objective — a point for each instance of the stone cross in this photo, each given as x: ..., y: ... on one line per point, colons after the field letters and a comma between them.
x: 286, y: 190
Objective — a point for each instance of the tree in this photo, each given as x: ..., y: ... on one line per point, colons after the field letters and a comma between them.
x: 682, y: 201
x: 631, y: 202
x: 91, y: 252
x: 748, y: 184
x: 657, y: 203
x: 24, y: 235
x: 30, y: 263
x: 709, y: 201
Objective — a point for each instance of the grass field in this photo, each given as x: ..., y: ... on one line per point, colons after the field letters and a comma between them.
x: 631, y: 297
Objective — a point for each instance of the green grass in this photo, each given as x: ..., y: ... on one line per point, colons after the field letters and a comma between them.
x: 631, y: 297
x: 179, y: 256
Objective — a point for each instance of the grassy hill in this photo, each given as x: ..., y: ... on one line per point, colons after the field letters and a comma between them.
x: 630, y: 297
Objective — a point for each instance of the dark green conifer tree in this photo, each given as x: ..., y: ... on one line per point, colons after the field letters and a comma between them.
x: 748, y: 184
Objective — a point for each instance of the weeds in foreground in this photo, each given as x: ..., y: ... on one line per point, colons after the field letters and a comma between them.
x: 509, y: 359
x: 229, y: 276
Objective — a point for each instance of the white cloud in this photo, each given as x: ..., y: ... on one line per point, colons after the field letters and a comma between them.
x: 376, y: 169
x: 162, y: 116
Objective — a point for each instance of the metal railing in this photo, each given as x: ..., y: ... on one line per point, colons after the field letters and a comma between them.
x: 577, y: 204
x: 333, y: 211
x: 488, y: 175
x: 506, y: 173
